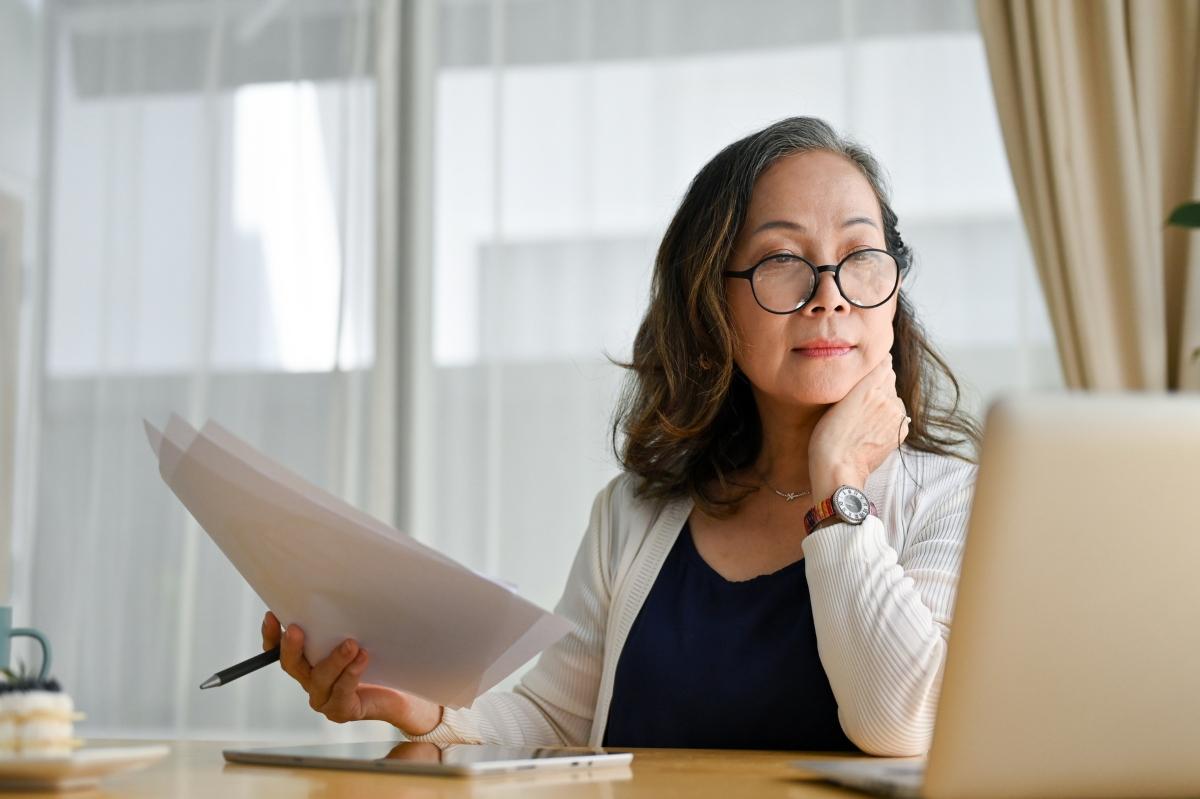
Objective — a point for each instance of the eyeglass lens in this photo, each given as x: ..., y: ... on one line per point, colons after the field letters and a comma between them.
x: 784, y: 283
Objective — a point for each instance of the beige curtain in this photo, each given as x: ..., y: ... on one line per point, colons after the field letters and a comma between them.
x: 1099, y: 101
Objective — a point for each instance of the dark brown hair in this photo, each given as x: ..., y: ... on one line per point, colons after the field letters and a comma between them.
x: 687, y: 414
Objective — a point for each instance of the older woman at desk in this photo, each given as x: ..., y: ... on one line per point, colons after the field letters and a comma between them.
x: 776, y: 566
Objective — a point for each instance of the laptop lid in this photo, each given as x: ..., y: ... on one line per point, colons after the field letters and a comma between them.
x: 1074, y: 659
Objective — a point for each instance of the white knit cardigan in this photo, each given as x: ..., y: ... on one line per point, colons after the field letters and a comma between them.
x: 882, y: 595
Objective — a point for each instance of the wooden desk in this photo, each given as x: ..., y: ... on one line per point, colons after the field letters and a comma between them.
x: 196, y: 769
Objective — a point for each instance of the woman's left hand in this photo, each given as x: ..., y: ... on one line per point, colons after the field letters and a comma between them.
x: 857, y: 433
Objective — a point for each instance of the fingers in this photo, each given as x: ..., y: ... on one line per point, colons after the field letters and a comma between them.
x: 271, y: 631
x: 291, y: 656
x: 886, y: 373
x: 327, y: 672
x: 881, y: 409
x: 880, y: 379
x: 343, y: 703
x: 331, y: 684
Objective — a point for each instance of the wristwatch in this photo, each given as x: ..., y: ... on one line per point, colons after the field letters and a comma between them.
x: 847, y: 504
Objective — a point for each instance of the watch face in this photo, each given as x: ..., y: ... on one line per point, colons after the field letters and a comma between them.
x: 851, y: 504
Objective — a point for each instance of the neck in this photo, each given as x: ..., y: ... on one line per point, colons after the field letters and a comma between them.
x: 786, y: 431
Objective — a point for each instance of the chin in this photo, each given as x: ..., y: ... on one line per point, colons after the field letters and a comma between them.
x: 818, y: 393
x: 808, y: 387
x: 821, y: 398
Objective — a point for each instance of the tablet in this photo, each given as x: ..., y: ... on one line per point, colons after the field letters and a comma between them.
x: 412, y: 757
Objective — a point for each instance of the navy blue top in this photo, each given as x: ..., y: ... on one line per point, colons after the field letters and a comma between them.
x: 716, y: 664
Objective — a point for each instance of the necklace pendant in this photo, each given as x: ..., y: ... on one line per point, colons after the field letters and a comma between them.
x: 791, y: 496
x: 788, y: 496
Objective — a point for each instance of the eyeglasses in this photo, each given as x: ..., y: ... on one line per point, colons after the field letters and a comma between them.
x: 785, y: 283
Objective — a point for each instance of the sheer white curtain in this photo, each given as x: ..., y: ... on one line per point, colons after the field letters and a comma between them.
x: 19, y: 66
x: 567, y: 132
x: 209, y: 249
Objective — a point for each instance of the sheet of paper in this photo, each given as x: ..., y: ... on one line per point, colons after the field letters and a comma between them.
x: 432, y: 626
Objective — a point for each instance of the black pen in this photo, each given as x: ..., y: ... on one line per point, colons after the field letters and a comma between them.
x: 242, y: 669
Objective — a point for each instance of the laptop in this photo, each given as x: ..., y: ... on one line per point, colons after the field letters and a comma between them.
x: 1073, y: 664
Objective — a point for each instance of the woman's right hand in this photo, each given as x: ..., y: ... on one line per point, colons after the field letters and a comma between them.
x: 334, y: 690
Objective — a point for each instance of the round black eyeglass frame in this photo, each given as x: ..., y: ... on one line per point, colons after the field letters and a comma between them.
x: 748, y: 274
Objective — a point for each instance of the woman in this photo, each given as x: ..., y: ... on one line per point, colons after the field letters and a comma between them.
x: 773, y: 569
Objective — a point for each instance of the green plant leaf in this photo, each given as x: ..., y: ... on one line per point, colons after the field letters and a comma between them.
x: 1186, y: 215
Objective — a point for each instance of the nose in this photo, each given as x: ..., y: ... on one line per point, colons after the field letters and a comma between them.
x: 827, y: 299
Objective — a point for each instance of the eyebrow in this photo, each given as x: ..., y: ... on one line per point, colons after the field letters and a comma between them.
x: 783, y: 223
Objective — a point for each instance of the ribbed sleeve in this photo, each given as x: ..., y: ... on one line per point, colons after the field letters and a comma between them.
x: 882, y: 597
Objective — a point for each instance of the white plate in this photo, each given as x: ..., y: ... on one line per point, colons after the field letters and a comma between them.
x: 81, y: 769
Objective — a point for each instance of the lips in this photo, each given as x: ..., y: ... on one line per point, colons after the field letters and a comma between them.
x: 824, y: 348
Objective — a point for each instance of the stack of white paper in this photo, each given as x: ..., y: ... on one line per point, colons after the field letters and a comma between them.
x: 432, y: 626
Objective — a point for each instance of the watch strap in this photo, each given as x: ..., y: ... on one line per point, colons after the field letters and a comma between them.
x: 817, y: 514
x: 823, y: 511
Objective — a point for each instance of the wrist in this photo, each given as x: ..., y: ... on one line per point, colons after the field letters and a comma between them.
x: 831, y: 480
x: 408, y: 714
x: 431, y: 722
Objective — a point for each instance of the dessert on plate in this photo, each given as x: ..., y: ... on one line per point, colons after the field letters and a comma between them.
x: 37, y: 718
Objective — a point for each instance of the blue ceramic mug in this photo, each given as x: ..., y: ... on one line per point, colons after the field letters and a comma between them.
x: 8, y: 632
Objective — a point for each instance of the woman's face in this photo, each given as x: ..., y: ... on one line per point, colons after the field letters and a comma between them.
x: 820, y: 206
